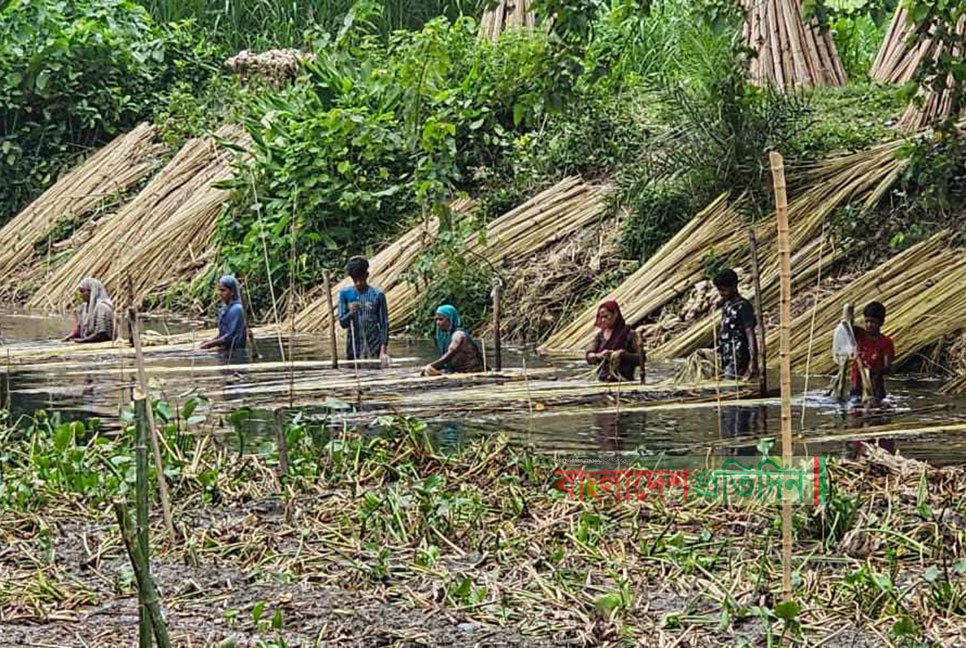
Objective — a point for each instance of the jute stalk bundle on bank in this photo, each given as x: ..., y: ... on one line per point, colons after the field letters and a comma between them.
x: 184, y: 184
x: 386, y: 270
x: 668, y: 273
x: 112, y: 170
x: 506, y: 14
x: 545, y: 219
x: 915, y: 288
x: 861, y: 178
x: 898, y: 60
x: 790, y: 53
x: 936, y: 105
x: 278, y: 66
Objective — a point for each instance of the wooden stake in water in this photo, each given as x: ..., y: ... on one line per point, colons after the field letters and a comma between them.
x: 141, y: 488
x: 333, y: 349
x: 281, y: 441
x: 497, y: 342
x: 756, y: 280
x: 785, y: 277
x: 155, y: 446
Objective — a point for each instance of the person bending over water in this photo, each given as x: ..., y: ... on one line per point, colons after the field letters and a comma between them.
x: 95, y: 320
x: 458, y: 350
x: 232, y: 330
x: 614, y: 347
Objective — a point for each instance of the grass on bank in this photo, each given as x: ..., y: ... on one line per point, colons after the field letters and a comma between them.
x: 479, y: 536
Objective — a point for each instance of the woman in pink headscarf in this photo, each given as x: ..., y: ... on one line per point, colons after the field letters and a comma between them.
x: 615, y: 349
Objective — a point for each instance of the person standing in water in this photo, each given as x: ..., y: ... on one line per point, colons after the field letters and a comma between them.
x: 615, y: 347
x: 737, y: 342
x: 875, y: 353
x: 232, y: 329
x: 95, y: 320
x: 364, y: 314
x: 458, y: 350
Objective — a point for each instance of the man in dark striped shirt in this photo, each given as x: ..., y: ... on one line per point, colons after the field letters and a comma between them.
x: 364, y: 315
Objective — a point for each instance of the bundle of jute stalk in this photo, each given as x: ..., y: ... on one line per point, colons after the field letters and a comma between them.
x: 182, y: 244
x: 897, y: 61
x: 861, y: 178
x: 109, y: 172
x: 931, y: 105
x: 790, y: 53
x: 668, y: 273
x: 386, y: 270
x: 905, y: 284
x: 196, y: 165
x: 504, y: 15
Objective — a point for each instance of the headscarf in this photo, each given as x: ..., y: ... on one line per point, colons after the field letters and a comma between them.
x: 231, y: 320
x: 98, y: 298
x: 620, y: 331
x: 443, y: 338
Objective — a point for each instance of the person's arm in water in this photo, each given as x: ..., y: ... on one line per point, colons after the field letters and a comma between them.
x: 459, y: 337
x: 76, y: 333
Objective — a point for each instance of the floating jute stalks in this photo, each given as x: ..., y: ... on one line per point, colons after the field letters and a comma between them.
x: 503, y: 15
x: 108, y: 173
x: 791, y: 53
x: 151, y: 218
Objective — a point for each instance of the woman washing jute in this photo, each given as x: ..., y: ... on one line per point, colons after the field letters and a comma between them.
x: 95, y: 320
x: 458, y: 350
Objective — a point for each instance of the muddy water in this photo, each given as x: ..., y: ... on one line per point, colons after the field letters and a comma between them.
x: 608, y: 434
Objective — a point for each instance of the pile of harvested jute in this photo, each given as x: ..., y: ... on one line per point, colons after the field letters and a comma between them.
x: 504, y: 15
x: 158, y: 217
x: 78, y: 196
x: 790, y: 52
x: 278, y: 66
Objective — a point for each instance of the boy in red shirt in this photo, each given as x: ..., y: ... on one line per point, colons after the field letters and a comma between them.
x: 875, y: 352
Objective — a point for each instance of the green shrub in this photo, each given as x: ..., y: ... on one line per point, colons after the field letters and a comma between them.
x: 74, y: 73
x: 656, y: 212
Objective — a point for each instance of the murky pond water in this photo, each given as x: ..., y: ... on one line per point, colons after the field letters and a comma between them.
x: 612, y: 432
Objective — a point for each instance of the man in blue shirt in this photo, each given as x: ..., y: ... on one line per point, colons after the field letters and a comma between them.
x: 364, y: 315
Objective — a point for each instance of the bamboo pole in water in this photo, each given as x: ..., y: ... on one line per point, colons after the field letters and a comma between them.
x: 785, y: 279
x: 155, y: 447
x: 497, y: 346
x: 756, y: 280
x: 141, y: 507
x: 333, y: 349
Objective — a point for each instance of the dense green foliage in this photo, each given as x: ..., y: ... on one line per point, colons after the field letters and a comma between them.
x: 73, y: 73
x: 262, y: 24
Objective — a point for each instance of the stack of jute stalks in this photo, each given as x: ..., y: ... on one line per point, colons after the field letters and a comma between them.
x: 506, y: 14
x: 790, y: 53
x: 861, y: 178
x: 182, y: 184
x: 106, y: 174
x: 545, y: 219
x: 916, y: 287
x: 668, y: 273
x: 278, y: 66
x: 387, y: 270
x: 182, y: 246
x: 898, y: 60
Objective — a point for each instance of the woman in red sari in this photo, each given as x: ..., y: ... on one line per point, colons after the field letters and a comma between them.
x: 615, y: 347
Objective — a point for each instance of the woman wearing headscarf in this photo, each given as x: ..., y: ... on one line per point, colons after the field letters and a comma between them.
x: 614, y: 348
x: 458, y: 350
x: 232, y: 331
x: 95, y: 320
